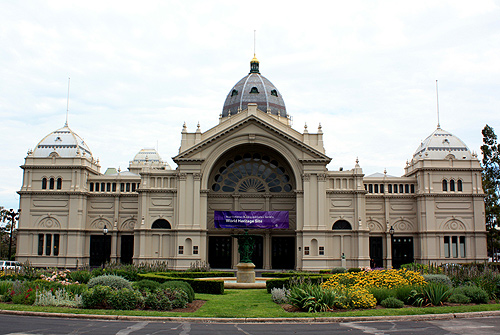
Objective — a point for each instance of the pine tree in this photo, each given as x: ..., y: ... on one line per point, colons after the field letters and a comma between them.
x: 491, y: 185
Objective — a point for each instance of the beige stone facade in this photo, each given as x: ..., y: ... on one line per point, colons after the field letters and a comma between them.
x: 253, y: 160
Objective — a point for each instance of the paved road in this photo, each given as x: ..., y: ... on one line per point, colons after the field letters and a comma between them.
x: 20, y: 325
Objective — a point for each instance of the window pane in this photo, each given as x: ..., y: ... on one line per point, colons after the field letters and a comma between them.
x: 462, y: 246
x: 48, y: 244
x: 40, y: 244
x: 389, y: 188
x: 454, y: 246
x: 382, y: 188
x: 447, y: 246
x: 376, y: 188
x: 56, y: 244
x: 407, y: 188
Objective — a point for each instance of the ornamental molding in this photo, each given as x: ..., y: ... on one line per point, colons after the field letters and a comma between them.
x: 100, y: 222
x: 128, y: 224
x: 453, y: 224
x: 263, y: 124
x: 49, y: 222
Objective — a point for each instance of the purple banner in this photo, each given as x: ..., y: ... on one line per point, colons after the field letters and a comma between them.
x: 251, y: 220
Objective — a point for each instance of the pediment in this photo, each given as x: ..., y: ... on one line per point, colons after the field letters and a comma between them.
x: 253, y: 127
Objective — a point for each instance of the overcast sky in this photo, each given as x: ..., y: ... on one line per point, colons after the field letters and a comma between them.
x: 366, y: 70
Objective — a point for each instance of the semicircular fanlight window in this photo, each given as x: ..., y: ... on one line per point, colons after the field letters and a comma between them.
x: 251, y: 173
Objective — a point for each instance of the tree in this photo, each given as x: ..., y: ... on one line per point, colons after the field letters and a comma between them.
x: 491, y: 185
x: 4, y: 232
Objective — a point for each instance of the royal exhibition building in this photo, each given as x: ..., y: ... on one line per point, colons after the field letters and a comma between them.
x: 252, y: 170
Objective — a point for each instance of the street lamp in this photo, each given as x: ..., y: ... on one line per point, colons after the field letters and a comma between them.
x: 13, y: 217
x: 104, y: 233
x: 391, y: 231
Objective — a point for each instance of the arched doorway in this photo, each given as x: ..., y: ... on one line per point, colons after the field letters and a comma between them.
x: 252, y: 178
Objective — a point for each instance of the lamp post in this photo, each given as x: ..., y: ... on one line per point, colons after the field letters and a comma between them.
x: 391, y: 231
x: 13, y: 217
x: 104, y: 233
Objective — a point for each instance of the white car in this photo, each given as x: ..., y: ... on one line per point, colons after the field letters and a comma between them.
x: 10, y: 265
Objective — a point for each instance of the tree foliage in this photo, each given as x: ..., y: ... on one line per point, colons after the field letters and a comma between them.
x: 491, y: 184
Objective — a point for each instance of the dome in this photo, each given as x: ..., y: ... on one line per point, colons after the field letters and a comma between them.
x: 151, y: 157
x: 64, y: 142
x: 254, y: 88
x: 147, y: 155
x: 441, y: 144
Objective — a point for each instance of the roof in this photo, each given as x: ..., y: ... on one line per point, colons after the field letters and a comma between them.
x: 254, y: 88
x: 442, y: 145
x: 64, y: 143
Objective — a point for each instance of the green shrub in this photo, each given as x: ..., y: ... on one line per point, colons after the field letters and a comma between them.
x: 129, y: 273
x: 432, y: 293
x: 403, y: 293
x: 176, y: 284
x: 280, y: 295
x: 288, y: 274
x: 81, y: 276
x: 339, y: 269
x: 312, y: 298
x: 439, y: 279
x: 459, y: 298
x: 476, y: 294
x: 76, y: 288
x: 124, y: 299
x: 277, y: 283
x: 382, y: 293
x: 354, y: 270
x: 113, y: 281
x: 325, y: 271
x: 157, y: 300
x: 392, y: 302
x: 5, y: 287
x: 96, y: 297
x: 199, y: 286
x: 146, y: 284
x: 197, y: 274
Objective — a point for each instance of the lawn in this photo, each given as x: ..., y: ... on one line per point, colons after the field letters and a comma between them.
x: 255, y: 304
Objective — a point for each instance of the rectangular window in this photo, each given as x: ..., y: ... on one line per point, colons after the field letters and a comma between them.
x: 40, y: 244
x: 181, y: 250
x: 133, y: 187
x: 321, y: 251
x: 370, y: 188
x: 400, y: 188
x: 122, y: 187
x: 454, y: 246
x: 97, y: 187
x: 114, y: 187
x: 395, y: 188
x: 407, y: 188
x: 389, y: 188
x: 376, y: 188
x: 91, y: 187
x: 306, y: 250
x: 56, y: 244
x: 128, y: 187
x: 195, y: 250
x: 462, y: 246
x: 382, y: 188
x: 108, y: 187
x: 48, y: 244
x: 412, y: 188
x: 447, y: 246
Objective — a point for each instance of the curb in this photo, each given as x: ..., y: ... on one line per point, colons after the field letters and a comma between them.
x: 420, y: 317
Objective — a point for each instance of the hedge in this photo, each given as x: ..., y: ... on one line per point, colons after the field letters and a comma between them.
x: 285, y: 282
x: 189, y: 274
x: 288, y: 274
x: 199, y: 286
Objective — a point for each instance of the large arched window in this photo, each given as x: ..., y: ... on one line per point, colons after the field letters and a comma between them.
x: 161, y: 224
x: 452, y: 185
x: 251, y: 171
x: 51, y: 183
x: 59, y: 183
x: 459, y: 186
x: 342, y: 224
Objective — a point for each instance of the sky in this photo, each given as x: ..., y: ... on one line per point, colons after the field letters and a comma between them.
x: 365, y: 70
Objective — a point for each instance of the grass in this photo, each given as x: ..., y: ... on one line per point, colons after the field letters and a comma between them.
x: 254, y: 304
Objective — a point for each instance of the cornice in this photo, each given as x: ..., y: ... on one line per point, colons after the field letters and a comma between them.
x: 59, y: 167
x: 451, y: 195
x: 441, y: 169
x: 157, y: 190
x: 243, y: 122
x: 346, y: 191
x: 251, y: 195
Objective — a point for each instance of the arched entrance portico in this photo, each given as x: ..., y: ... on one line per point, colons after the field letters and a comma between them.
x: 252, y: 178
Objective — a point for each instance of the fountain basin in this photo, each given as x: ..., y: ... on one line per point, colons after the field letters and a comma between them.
x: 231, y: 282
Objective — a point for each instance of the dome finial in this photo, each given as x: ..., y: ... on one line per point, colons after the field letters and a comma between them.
x: 254, y: 65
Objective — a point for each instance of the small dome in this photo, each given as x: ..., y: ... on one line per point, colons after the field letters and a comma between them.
x: 254, y: 88
x: 62, y: 143
x: 149, y: 157
x: 442, y: 145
